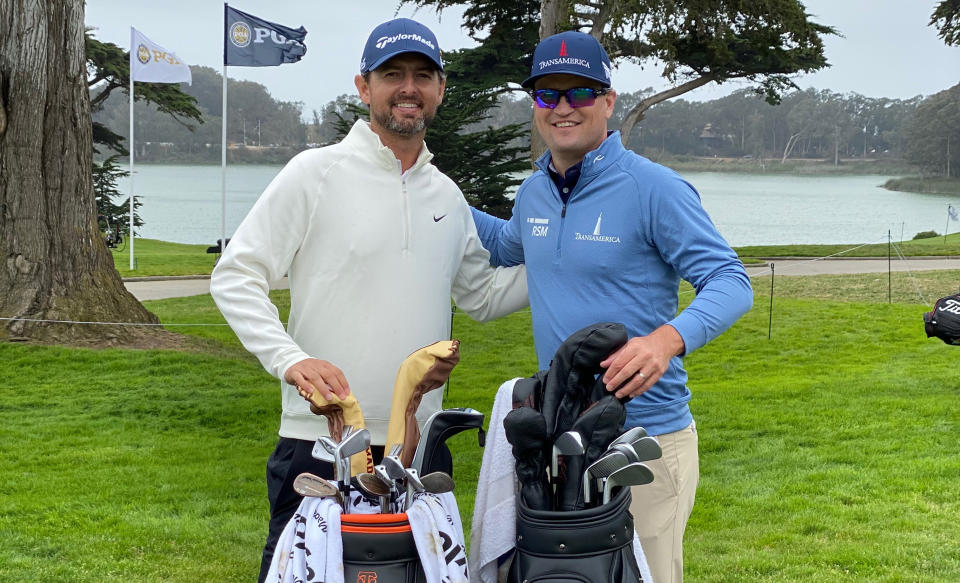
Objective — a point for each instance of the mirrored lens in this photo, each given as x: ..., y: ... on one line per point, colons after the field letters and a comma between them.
x: 576, y: 97
x: 546, y: 98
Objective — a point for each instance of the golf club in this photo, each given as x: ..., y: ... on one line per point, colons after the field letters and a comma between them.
x: 647, y: 448
x: 603, y: 467
x: 324, y: 449
x: 569, y: 443
x: 307, y: 484
x: 351, y: 444
x: 414, y: 486
x: 381, y: 472
x: 374, y: 486
x: 630, y: 435
x: 438, y: 428
x: 635, y: 474
x: 437, y: 483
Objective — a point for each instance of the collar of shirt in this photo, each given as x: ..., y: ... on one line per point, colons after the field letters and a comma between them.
x: 568, y: 181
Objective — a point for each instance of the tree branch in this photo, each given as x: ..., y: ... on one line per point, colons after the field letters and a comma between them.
x: 636, y: 114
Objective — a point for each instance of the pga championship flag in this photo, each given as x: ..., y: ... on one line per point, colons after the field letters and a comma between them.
x: 249, y: 41
x: 151, y: 63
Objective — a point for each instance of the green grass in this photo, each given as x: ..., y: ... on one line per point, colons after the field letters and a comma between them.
x: 928, y: 184
x: 828, y: 452
x: 162, y: 258
x: 152, y: 257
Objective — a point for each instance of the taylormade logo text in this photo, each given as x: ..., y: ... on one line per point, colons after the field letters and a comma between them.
x: 385, y: 40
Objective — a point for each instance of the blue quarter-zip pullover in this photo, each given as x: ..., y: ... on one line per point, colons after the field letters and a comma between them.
x: 616, y: 251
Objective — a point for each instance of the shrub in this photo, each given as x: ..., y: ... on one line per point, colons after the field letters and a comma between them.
x: 926, y: 235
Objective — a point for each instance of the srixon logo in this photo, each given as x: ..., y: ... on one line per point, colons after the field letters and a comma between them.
x: 367, y: 577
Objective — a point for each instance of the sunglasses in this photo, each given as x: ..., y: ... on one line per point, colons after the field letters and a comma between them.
x: 576, y: 97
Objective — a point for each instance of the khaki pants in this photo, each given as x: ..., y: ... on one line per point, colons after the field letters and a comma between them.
x: 661, y: 509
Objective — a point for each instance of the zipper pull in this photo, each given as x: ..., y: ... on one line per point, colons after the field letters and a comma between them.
x: 563, y: 212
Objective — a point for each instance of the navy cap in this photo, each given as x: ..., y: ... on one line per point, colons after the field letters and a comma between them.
x: 396, y: 37
x: 573, y: 53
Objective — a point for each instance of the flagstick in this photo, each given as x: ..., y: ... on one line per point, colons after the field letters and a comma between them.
x: 223, y: 166
x: 947, y: 228
x: 132, y: 150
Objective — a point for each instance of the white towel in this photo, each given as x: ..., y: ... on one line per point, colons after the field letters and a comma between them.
x: 438, y: 534
x: 495, y: 508
x: 494, y: 528
x: 310, y: 548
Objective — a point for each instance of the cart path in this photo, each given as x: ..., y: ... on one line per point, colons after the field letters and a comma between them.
x: 174, y: 287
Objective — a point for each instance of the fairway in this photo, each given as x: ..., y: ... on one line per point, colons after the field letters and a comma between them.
x: 828, y: 452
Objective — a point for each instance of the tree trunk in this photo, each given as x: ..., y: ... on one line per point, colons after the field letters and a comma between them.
x: 551, y: 14
x: 56, y: 265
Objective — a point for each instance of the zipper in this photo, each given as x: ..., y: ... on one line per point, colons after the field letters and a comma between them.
x: 563, y: 214
x: 406, y: 215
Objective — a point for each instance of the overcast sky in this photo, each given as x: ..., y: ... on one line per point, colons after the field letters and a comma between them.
x: 887, y: 49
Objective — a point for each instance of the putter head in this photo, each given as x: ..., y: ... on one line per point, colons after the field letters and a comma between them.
x: 307, y: 484
x: 437, y: 483
x: 635, y: 474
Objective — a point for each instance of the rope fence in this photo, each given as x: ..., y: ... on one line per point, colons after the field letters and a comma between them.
x: 785, y: 270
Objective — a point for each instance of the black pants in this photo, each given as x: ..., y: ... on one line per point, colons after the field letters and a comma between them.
x: 289, y: 459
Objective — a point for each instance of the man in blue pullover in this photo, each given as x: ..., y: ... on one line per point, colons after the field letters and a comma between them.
x: 607, y: 235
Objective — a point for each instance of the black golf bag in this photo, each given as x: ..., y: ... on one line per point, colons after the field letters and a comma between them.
x: 379, y: 548
x: 594, y: 545
x: 560, y: 538
x: 943, y: 321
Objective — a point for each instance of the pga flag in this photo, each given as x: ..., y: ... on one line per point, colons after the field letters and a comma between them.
x: 249, y: 41
x: 151, y: 63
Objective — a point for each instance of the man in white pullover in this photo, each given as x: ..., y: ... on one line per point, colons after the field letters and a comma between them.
x: 375, y: 240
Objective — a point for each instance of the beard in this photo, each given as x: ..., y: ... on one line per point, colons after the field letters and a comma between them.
x: 388, y: 121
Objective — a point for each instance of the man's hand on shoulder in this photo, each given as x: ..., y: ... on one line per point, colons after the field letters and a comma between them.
x: 639, y: 363
x: 318, y: 375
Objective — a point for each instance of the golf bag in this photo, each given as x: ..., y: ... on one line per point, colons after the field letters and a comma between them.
x: 594, y: 545
x: 379, y: 548
x: 944, y: 320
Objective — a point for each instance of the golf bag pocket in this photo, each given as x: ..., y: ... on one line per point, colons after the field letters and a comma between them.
x: 594, y: 545
x: 379, y: 548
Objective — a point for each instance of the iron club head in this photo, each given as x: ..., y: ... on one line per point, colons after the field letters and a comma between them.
x: 437, y: 483
x: 569, y: 443
x: 603, y: 467
x: 307, y: 484
x: 635, y: 474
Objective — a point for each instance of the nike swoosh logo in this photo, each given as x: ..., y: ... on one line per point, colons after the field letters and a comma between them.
x: 437, y: 219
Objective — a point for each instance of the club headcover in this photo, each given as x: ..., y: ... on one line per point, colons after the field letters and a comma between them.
x: 526, y: 430
x: 599, y: 425
x: 421, y: 372
x: 568, y: 388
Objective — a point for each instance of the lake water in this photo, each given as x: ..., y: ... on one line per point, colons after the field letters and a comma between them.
x: 182, y: 204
